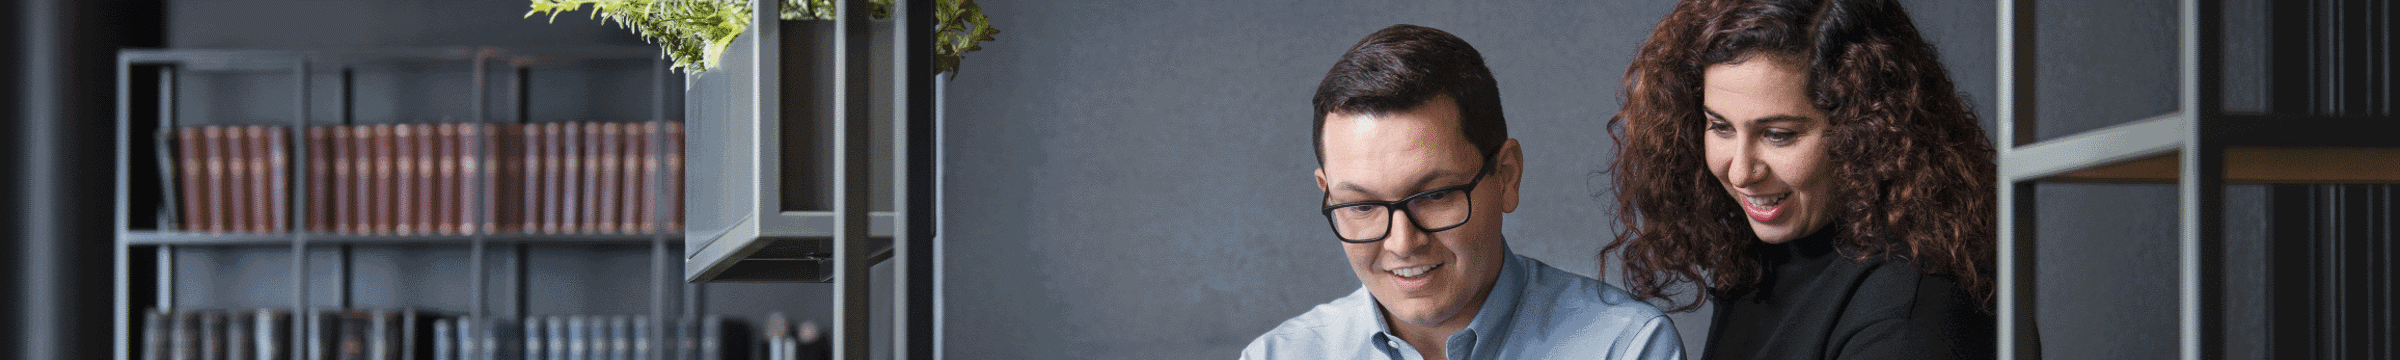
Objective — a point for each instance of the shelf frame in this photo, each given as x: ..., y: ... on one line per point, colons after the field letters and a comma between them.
x: 304, y: 64
x: 2199, y: 148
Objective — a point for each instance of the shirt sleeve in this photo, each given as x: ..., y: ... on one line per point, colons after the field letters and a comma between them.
x: 1656, y: 339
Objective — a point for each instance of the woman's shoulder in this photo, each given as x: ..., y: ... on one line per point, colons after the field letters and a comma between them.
x: 1897, y: 288
x: 1898, y: 306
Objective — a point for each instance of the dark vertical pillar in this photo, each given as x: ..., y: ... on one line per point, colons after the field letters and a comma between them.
x: 61, y: 90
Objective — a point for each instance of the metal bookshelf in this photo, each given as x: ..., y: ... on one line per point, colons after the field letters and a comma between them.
x: 791, y: 185
x: 158, y: 242
x: 2199, y: 148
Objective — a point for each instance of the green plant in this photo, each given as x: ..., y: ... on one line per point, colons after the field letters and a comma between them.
x: 695, y: 33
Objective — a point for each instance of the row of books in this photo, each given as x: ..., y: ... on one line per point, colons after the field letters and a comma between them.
x: 408, y: 334
x: 433, y: 178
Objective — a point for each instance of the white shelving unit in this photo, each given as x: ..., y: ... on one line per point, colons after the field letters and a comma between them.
x: 2199, y: 148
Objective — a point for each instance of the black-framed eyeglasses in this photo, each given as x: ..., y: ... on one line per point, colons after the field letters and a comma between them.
x: 1431, y: 211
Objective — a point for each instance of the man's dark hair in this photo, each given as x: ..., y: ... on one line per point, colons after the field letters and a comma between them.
x: 1403, y: 66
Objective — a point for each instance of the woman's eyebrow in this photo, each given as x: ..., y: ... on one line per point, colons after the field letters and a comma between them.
x: 1712, y: 113
x: 1778, y: 118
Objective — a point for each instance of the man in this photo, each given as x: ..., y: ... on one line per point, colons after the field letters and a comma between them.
x: 1417, y: 169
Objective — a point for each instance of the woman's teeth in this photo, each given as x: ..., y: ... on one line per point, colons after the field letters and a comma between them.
x: 1766, y: 202
x: 1414, y: 271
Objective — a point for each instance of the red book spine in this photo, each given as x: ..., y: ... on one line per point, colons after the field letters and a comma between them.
x: 528, y: 176
x: 674, y: 170
x: 654, y: 146
x: 473, y: 181
x: 362, y: 179
x: 344, y: 196
x: 404, y: 188
x: 384, y: 181
x: 220, y: 176
x: 446, y: 194
x: 238, y: 163
x: 629, y: 215
x: 279, y: 178
x: 235, y: 190
x: 320, y: 182
x: 423, y: 153
x: 605, y: 209
x: 262, y: 210
x: 191, y: 167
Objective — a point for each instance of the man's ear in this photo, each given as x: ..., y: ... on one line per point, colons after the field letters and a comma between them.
x: 1510, y: 170
x: 1321, y: 180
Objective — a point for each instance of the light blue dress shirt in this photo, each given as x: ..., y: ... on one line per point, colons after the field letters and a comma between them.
x: 1534, y: 312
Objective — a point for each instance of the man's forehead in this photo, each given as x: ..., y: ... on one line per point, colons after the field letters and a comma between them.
x: 1390, y: 153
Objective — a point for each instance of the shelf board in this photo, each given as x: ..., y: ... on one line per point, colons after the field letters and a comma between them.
x: 2137, y: 140
x: 214, y: 59
x: 147, y: 237
x: 2258, y: 149
x: 796, y: 246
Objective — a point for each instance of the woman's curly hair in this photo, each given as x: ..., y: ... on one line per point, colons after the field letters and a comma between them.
x: 1914, y: 172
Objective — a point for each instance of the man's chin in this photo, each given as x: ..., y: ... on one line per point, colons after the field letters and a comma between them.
x: 1420, y: 312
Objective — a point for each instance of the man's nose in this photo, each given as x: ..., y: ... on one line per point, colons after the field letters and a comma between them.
x: 1405, y: 238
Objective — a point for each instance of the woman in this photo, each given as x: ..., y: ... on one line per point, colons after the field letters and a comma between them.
x: 1807, y: 165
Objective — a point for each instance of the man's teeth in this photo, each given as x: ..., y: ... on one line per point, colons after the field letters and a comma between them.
x: 1414, y: 271
x: 1765, y: 202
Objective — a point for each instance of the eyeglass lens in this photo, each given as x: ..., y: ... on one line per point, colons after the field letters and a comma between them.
x: 1433, y: 211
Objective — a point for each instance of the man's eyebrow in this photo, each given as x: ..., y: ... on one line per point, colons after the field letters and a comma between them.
x: 1759, y: 121
x: 1418, y: 185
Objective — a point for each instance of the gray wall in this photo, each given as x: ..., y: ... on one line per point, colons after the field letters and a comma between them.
x: 1131, y: 180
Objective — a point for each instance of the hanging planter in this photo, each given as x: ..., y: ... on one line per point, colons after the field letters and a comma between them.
x: 695, y: 33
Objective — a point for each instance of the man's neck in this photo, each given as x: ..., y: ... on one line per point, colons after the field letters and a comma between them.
x: 1433, y: 342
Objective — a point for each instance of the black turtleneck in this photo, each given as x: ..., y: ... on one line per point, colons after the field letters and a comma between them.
x: 1814, y: 302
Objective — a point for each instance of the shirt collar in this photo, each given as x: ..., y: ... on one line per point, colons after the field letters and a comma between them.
x: 1491, y: 321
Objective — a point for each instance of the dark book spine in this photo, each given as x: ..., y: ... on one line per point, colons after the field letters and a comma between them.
x: 445, y: 336
x: 240, y: 332
x: 274, y: 335
x: 552, y: 195
x: 212, y: 335
x: 279, y: 178
x: 571, y: 207
x: 475, y: 180
x: 157, y: 335
x: 537, y: 338
x: 558, y: 334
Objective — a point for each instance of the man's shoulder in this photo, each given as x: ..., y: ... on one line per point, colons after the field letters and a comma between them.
x: 1581, y: 315
x: 1566, y: 293
x: 1337, y: 327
